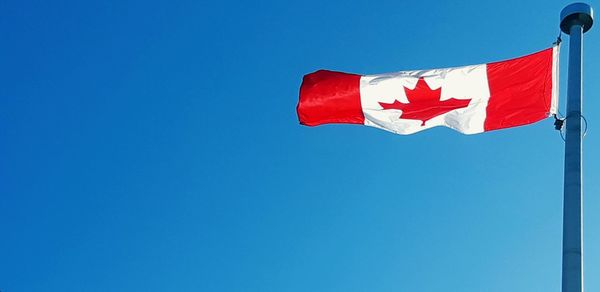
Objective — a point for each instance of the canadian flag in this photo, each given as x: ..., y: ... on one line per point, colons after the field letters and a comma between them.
x: 469, y: 99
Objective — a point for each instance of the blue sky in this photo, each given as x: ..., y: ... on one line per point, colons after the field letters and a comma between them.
x: 154, y: 146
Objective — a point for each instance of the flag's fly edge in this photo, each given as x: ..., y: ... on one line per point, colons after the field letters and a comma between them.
x: 330, y: 97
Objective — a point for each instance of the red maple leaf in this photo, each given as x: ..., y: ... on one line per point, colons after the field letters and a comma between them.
x: 424, y: 103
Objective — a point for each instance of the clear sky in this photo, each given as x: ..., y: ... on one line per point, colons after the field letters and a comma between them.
x: 154, y: 146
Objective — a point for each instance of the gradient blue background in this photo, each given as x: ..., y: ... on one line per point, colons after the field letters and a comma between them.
x: 154, y: 146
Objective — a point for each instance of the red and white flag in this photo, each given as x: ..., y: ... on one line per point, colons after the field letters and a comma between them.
x: 469, y: 99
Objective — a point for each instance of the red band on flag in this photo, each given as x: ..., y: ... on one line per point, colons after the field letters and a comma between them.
x: 521, y: 91
x: 330, y: 97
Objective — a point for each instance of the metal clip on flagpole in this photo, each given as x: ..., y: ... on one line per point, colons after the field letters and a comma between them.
x: 575, y: 19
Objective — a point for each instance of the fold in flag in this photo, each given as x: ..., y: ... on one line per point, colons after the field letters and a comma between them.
x: 469, y: 99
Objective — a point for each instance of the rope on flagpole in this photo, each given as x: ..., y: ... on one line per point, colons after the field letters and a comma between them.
x: 558, y: 125
x: 559, y: 122
x: 586, y: 126
x: 558, y: 38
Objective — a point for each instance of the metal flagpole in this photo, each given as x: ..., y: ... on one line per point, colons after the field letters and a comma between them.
x: 575, y: 19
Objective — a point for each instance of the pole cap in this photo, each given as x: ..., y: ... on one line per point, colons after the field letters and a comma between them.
x: 576, y: 14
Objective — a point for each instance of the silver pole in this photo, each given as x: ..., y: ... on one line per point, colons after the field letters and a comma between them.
x: 576, y: 19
